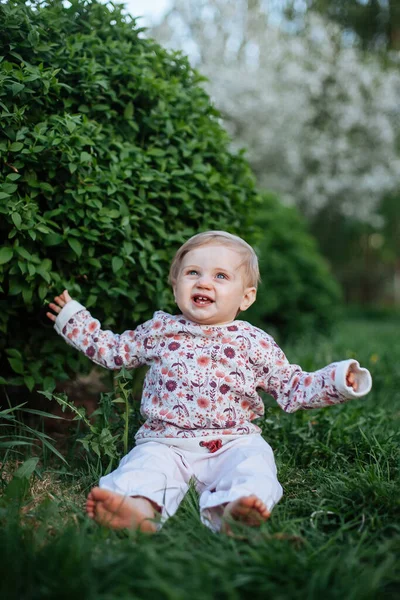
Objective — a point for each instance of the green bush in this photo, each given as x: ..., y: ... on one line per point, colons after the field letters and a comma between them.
x: 111, y: 156
x: 297, y: 294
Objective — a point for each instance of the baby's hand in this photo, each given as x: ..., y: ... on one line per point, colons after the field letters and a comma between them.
x: 60, y: 301
x: 351, y: 380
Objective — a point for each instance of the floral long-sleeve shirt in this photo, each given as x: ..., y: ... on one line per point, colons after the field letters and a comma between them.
x: 203, y: 379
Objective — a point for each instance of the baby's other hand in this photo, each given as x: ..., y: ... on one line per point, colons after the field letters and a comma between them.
x: 60, y: 302
x: 351, y: 379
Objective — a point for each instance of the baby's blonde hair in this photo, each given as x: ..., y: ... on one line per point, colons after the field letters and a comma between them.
x: 250, y: 260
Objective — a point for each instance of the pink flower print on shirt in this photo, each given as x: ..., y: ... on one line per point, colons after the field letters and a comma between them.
x: 203, y: 361
x: 171, y: 385
x: 165, y: 412
x: 174, y: 346
x: 224, y: 389
x: 203, y: 402
x: 229, y: 352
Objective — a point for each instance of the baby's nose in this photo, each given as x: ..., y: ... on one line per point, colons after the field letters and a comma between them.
x: 205, y: 281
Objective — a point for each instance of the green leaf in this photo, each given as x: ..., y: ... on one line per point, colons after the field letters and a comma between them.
x: 49, y: 383
x: 24, y: 253
x: 14, y: 287
x: 16, y: 146
x: 9, y: 188
x: 16, y: 88
x: 16, y: 365
x: 128, y: 112
x: 156, y: 152
x: 116, y: 263
x: 18, y: 488
x: 42, y: 291
x: 29, y: 382
x: 14, y: 353
x: 43, y: 274
x: 16, y: 219
x: 75, y: 245
x: 27, y: 294
x: 85, y: 157
x: 27, y: 468
x: 6, y: 254
x: 53, y: 239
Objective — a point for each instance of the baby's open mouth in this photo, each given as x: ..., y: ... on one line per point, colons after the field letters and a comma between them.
x: 201, y: 300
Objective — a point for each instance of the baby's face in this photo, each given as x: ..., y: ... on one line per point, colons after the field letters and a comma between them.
x: 210, y: 287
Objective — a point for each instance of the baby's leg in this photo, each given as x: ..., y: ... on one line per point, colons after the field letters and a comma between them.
x: 242, y: 484
x: 121, y: 512
x: 148, y: 483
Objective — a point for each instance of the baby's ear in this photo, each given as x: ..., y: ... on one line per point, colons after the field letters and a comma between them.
x: 249, y: 296
x: 173, y: 285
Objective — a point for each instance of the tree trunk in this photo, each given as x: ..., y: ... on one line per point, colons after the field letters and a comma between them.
x: 394, y: 25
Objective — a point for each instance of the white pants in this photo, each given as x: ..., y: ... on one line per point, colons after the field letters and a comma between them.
x: 161, y: 473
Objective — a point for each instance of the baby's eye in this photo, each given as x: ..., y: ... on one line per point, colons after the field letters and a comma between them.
x: 221, y: 276
x: 192, y: 272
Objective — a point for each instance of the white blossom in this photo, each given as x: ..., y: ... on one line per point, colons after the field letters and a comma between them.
x: 320, y: 120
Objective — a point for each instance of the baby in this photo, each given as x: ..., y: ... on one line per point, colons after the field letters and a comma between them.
x: 200, y: 396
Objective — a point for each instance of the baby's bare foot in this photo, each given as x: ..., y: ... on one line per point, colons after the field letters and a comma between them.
x: 120, y: 512
x: 248, y: 510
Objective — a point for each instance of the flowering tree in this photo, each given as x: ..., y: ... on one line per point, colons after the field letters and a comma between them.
x: 320, y: 119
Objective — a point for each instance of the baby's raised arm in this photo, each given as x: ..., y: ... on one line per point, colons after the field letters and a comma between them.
x: 110, y: 350
x: 294, y: 388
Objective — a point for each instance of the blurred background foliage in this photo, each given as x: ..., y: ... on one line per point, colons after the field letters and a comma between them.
x: 373, y: 24
x: 297, y: 293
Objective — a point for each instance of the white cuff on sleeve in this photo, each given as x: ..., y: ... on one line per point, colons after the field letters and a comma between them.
x: 362, y: 376
x: 66, y: 313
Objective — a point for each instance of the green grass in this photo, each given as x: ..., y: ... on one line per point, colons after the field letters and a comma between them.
x: 334, y: 535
